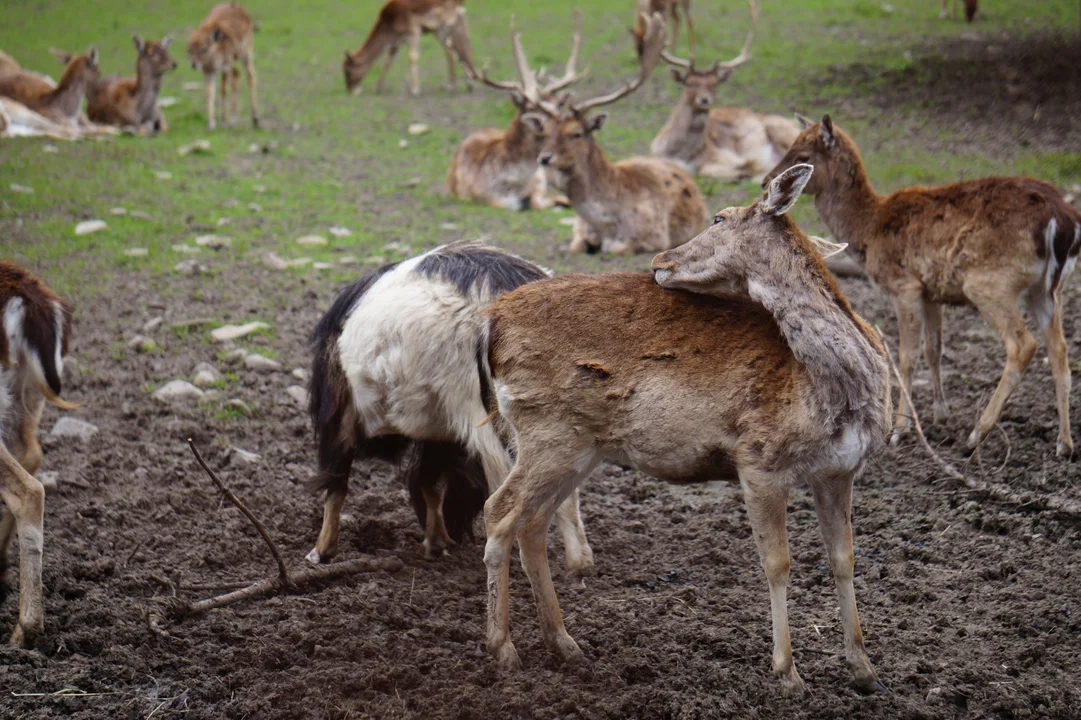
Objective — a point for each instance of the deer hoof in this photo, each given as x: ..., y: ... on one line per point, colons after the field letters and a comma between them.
x: 941, y: 413
x: 568, y: 650
x: 24, y: 637
x: 1064, y: 449
x: 507, y: 656
x: 317, y: 558
x: 974, y: 438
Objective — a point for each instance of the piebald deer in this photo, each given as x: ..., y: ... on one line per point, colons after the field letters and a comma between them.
x: 740, y: 359
x: 730, y: 144
x: 60, y: 103
x: 970, y: 8
x: 225, y: 38
x: 637, y: 205
x: 499, y: 167
x: 34, y: 338
x: 403, y: 21
x: 667, y: 9
x: 983, y: 242
x: 133, y: 102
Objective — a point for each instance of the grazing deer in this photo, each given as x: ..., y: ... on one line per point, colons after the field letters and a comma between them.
x: 669, y: 10
x: 133, y: 102
x: 982, y: 242
x: 395, y: 377
x: 402, y: 21
x: 60, y: 103
x: 637, y: 205
x: 740, y: 359
x: 34, y: 338
x: 224, y: 39
x: 499, y: 167
x: 730, y: 144
x: 970, y: 9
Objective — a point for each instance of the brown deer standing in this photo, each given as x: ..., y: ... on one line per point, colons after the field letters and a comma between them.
x: 970, y: 8
x: 34, y: 335
x: 730, y: 144
x: 61, y: 103
x: 761, y: 372
x: 133, y: 102
x: 667, y: 9
x: 225, y: 38
x: 983, y: 242
x: 402, y: 21
x: 637, y: 205
x: 499, y: 167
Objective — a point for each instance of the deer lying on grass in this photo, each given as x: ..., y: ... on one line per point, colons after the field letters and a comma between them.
x: 982, y: 242
x: 668, y: 10
x: 132, y: 103
x: 402, y: 21
x: 395, y: 376
x: 970, y: 9
x: 60, y: 103
x: 499, y: 167
x: 637, y: 205
x: 225, y: 38
x: 730, y: 144
x: 34, y: 338
x: 742, y: 360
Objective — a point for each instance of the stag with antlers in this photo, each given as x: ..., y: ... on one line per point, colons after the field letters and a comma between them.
x: 729, y: 144
x: 499, y: 167
x: 637, y: 205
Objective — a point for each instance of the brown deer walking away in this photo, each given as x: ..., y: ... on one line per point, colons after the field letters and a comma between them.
x: 34, y: 338
x: 637, y: 205
x: 499, y: 167
x: 402, y: 21
x: 669, y: 10
x: 215, y: 47
x: 740, y: 359
x: 133, y: 102
x: 61, y: 103
x: 730, y: 144
x: 985, y: 243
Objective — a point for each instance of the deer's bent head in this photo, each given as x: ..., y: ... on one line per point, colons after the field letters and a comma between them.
x: 204, y: 49
x: 354, y: 69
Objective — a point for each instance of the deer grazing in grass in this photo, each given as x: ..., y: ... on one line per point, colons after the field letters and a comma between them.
x: 970, y: 8
x: 637, y: 205
x: 669, y: 10
x: 224, y: 39
x: 395, y: 377
x: 34, y: 336
x: 730, y: 144
x: 403, y: 21
x: 985, y: 243
x: 499, y: 167
x: 740, y: 359
x: 61, y: 103
x: 132, y: 103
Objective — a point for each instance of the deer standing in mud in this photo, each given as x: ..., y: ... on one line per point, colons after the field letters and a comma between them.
x: 34, y: 338
x: 225, y: 38
x: 402, y: 21
x: 499, y: 167
x: 637, y: 205
x: 61, y: 103
x: 730, y: 144
x: 669, y: 10
x: 985, y: 243
x: 133, y: 102
x: 739, y: 359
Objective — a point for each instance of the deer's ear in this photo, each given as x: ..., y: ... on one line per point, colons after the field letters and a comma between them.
x: 139, y: 44
x: 804, y: 121
x: 826, y: 248
x: 596, y: 122
x: 785, y: 190
x: 167, y: 41
x: 62, y: 56
x: 826, y: 130
x: 534, y: 121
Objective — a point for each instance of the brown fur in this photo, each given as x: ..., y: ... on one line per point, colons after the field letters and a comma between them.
x: 225, y: 38
x: 403, y: 21
x: 8, y: 64
x: 60, y: 103
x: 971, y: 6
x: 133, y: 102
x: 670, y: 11
x: 499, y: 168
x: 760, y: 373
x: 981, y: 242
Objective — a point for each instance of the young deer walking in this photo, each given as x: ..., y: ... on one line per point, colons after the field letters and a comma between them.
x: 983, y: 242
x: 761, y: 372
x: 730, y: 144
x: 403, y: 21
x: 499, y: 167
x: 669, y: 10
x: 224, y: 39
x: 637, y: 205
x: 133, y: 102
x: 34, y: 338
x: 60, y: 103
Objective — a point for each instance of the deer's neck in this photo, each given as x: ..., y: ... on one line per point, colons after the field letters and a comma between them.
x: 591, y: 181
x: 520, y: 142
x: 377, y: 41
x: 68, y: 96
x: 147, y: 86
x: 848, y: 206
x: 684, y: 134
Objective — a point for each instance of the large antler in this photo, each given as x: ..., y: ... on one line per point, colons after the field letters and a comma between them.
x: 744, y: 53
x: 570, y: 72
x: 653, y: 45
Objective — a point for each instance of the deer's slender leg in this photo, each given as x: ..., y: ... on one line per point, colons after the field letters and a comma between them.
x: 414, y: 61
x: 211, y: 119
x: 690, y: 25
x: 234, y: 76
x: 7, y: 525
x: 25, y: 499
x: 225, y: 98
x: 1048, y: 311
x: 326, y: 547
x: 391, y: 52
x: 452, y: 81
x: 932, y: 353
x: 909, y: 307
x: 436, y: 539
x: 578, y: 556
x: 249, y: 71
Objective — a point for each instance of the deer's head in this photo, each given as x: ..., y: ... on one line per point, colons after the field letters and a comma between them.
x: 701, y: 85
x: 204, y: 48
x: 155, y: 55
x: 827, y: 148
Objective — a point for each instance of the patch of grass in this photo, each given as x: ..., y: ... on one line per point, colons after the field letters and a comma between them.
x: 228, y: 413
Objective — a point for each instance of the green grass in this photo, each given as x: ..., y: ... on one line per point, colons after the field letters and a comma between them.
x: 335, y: 160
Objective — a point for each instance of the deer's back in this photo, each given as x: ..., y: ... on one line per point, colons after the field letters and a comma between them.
x: 661, y: 181
x: 30, y: 89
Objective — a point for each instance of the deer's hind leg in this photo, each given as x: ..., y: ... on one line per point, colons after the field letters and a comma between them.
x: 908, y: 304
x: 211, y: 116
x: 932, y: 353
x: 1048, y: 311
x: 249, y: 72
x: 25, y: 500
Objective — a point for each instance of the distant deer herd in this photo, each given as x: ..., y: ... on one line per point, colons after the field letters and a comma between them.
x: 500, y: 388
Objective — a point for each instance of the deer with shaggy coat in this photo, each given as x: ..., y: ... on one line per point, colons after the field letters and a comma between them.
x: 132, y: 103
x: 985, y: 243
x: 395, y: 377
x: 60, y: 103
x: 224, y: 38
x: 35, y: 328
x: 740, y: 359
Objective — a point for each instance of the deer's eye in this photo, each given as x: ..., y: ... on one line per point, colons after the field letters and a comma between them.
x: 576, y: 136
x: 717, y: 219
x: 803, y: 159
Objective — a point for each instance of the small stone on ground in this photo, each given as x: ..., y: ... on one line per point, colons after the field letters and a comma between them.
x: 177, y: 390
x: 90, y: 226
x: 260, y: 363
x: 235, y: 332
x: 71, y: 427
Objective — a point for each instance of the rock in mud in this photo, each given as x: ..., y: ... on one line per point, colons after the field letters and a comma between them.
x: 339, y: 232
x: 178, y: 391
x: 49, y: 479
x: 312, y: 241
x: 238, y: 404
x: 90, y: 226
x: 153, y: 324
x: 214, y: 242
x: 259, y: 363
x: 235, y: 357
x: 244, y: 457
x: 71, y: 427
x: 301, y: 374
x: 142, y: 344
x: 137, y: 252
x: 298, y: 394
x: 235, y: 332
x: 204, y: 375
x: 190, y: 267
